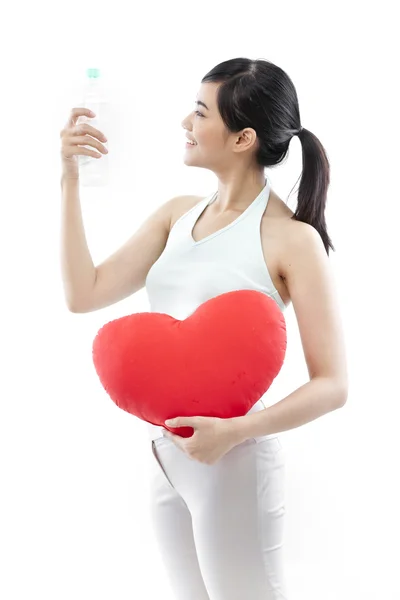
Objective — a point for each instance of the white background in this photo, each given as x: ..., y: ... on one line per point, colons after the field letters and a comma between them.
x: 74, y: 520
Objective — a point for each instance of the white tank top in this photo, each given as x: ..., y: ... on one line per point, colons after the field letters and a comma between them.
x: 188, y: 273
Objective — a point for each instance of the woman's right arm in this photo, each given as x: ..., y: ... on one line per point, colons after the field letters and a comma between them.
x: 88, y: 288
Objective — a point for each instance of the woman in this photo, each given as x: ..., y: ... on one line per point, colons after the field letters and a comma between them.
x: 217, y: 498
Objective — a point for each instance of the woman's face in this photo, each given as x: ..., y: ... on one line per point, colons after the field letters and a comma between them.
x: 216, y: 148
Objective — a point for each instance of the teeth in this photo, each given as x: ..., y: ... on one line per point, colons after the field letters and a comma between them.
x: 190, y: 142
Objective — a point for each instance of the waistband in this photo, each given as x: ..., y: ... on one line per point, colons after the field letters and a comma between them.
x: 155, y: 432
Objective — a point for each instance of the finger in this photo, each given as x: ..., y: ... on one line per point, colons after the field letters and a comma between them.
x: 79, y: 112
x: 85, y: 128
x: 182, y: 422
x: 69, y: 151
x: 89, y: 141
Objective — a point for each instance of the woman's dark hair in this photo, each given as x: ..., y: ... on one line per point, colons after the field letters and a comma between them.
x: 260, y: 95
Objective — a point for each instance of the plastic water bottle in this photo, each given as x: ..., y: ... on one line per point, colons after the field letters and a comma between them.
x: 94, y: 171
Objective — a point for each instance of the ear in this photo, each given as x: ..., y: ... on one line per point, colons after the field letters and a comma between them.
x: 246, y: 139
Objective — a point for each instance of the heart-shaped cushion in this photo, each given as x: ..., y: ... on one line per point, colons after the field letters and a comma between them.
x: 216, y: 363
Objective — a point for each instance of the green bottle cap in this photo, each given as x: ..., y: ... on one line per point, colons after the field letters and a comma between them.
x: 93, y: 73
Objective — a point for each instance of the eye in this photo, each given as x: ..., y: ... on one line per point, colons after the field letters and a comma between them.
x: 198, y: 113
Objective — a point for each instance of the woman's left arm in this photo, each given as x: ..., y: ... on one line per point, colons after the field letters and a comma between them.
x: 309, y: 279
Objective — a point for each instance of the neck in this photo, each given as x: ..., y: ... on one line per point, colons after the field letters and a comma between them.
x: 237, y: 193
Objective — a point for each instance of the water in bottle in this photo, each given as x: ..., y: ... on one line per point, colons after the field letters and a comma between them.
x: 94, y: 171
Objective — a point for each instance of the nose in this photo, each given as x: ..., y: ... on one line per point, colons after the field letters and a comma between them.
x: 185, y: 123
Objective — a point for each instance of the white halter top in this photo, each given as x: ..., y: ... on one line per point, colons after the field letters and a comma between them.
x: 188, y: 273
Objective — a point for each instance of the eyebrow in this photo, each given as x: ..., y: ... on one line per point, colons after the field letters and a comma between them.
x: 202, y: 104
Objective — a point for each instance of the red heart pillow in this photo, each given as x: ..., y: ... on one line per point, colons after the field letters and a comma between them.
x: 215, y: 363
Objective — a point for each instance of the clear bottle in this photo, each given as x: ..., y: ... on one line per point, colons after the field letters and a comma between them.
x: 94, y: 171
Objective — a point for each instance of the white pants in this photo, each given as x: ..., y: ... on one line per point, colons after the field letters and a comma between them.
x: 220, y: 527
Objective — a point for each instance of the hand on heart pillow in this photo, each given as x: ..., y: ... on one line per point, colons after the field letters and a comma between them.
x: 215, y: 363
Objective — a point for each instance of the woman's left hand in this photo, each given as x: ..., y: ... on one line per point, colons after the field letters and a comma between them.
x: 212, y: 438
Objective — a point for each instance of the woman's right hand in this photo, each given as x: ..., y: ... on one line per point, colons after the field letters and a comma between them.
x: 74, y: 134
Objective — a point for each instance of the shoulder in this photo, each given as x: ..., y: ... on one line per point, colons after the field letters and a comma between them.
x: 182, y: 204
x: 300, y: 232
x: 187, y: 200
x: 302, y: 249
x: 302, y: 237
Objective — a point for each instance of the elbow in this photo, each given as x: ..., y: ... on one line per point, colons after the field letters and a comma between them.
x: 73, y: 307
x: 334, y: 391
x: 341, y: 394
